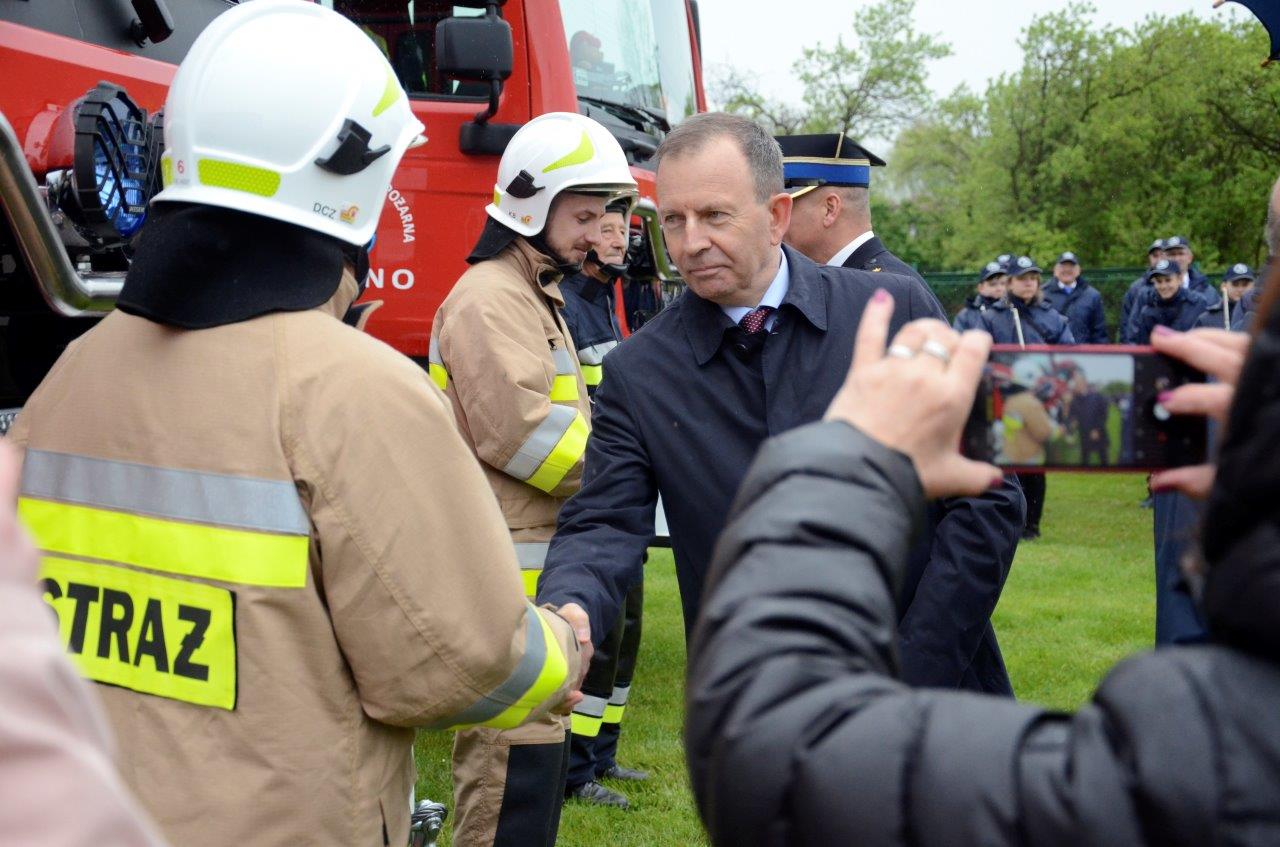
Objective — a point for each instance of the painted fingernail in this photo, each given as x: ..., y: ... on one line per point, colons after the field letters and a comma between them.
x: 1163, y: 397
x: 880, y: 296
x: 1163, y: 330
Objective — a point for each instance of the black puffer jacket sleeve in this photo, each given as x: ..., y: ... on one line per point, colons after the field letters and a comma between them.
x: 797, y: 732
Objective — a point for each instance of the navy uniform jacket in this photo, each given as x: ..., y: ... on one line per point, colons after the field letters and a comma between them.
x: 1180, y: 313
x: 1131, y: 298
x: 970, y: 317
x: 1243, y: 317
x: 589, y: 314
x: 1212, y: 317
x: 875, y: 257
x: 1083, y: 310
x: 682, y: 409
x: 1041, y: 324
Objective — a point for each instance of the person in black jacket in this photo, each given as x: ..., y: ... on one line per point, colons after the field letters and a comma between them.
x: 1154, y: 254
x: 1237, y: 282
x: 591, y: 313
x: 1178, y: 250
x: 1076, y: 300
x: 1167, y: 303
x: 993, y: 285
x: 686, y: 402
x: 1024, y: 317
x: 800, y: 733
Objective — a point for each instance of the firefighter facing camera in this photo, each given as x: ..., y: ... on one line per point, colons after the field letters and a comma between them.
x: 262, y: 532
x: 502, y: 353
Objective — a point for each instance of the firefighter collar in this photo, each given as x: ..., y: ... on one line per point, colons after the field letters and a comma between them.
x: 202, y: 266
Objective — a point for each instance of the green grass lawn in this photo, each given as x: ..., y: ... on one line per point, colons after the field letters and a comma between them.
x: 1077, y: 600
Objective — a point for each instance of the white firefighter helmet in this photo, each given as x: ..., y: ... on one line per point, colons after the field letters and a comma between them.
x: 555, y: 152
x: 285, y: 109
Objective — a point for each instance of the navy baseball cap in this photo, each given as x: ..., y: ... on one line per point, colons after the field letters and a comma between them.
x: 1164, y: 267
x: 1024, y: 265
x: 1240, y: 271
x: 1176, y: 241
x: 1158, y: 244
x: 1068, y: 257
x: 991, y: 269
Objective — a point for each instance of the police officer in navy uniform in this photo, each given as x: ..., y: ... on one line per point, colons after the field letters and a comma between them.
x: 993, y: 284
x: 1178, y: 250
x: 1077, y: 301
x: 1024, y: 317
x: 1168, y: 302
x: 1237, y: 282
x: 1154, y: 254
x: 828, y: 178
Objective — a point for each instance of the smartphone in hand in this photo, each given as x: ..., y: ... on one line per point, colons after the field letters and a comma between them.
x: 1092, y: 408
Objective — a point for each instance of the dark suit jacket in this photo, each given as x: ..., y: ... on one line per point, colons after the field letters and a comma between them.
x: 683, y: 407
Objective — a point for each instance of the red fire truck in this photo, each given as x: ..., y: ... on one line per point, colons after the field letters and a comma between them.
x: 82, y: 86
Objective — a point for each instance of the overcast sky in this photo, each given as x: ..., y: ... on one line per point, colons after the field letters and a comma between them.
x: 983, y: 34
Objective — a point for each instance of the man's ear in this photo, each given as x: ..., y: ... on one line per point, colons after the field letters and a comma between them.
x: 780, y: 206
x: 832, y: 206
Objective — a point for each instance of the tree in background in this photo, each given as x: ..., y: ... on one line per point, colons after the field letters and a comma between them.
x: 1103, y: 140
x: 870, y: 89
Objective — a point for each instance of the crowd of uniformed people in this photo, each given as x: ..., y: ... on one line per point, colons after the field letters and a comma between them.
x: 280, y: 548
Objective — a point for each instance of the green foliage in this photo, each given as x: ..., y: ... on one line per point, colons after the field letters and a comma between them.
x: 870, y: 88
x: 1103, y: 140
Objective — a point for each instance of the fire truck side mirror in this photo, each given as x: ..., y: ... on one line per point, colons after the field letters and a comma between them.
x: 475, y: 49
x: 479, y: 50
x: 154, y: 23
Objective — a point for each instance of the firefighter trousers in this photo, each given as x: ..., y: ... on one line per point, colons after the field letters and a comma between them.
x: 597, y: 720
x: 508, y: 784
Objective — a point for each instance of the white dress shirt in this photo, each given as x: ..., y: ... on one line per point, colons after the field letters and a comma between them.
x: 848, y: 250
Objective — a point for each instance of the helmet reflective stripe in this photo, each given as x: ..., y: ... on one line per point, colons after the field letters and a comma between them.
x: 560, y: 151
x: 254, y: 122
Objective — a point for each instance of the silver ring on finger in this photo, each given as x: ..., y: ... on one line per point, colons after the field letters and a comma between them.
x: 936, y: 349
x: 901, y: 351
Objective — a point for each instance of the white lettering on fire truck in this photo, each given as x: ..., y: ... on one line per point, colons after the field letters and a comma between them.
x: 401, y: 278
x: 401, y: 204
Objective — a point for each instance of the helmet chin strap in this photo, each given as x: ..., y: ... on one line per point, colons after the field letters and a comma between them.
x: 613, y: 270
x: 540, y: 244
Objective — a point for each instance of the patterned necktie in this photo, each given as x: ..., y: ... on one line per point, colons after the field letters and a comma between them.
x: 753, y: 322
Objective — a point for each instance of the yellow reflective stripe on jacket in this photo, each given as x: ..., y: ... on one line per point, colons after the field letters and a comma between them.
x: 617, y: 704
x: 204, y: 525
x: 592, y: 375
x: 166, y: 637
x: 564, y: 389
x: 435, y: 366
x: 551, y: 451
x: 540, y: 672
x: 587, y: 716
x: 530, y: 556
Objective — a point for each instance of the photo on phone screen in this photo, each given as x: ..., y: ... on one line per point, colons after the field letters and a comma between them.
x: 1093, y: 408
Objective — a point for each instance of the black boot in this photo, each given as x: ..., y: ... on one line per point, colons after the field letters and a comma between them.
x: 597, y: 795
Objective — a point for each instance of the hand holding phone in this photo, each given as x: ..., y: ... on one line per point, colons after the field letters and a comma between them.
x: 1098, y: 408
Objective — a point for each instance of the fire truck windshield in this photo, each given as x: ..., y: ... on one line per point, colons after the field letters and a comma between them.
x: 634, y: 54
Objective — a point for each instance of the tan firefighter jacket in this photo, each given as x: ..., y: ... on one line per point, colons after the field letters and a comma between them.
x: 269, y: 543
x: 501, y: 352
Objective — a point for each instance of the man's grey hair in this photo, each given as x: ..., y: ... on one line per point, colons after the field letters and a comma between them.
x: 764, y: 156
